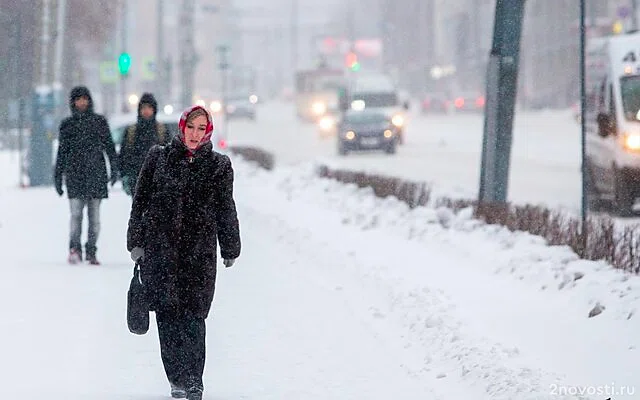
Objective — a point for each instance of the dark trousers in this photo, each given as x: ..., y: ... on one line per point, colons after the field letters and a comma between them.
x: 182, y: 347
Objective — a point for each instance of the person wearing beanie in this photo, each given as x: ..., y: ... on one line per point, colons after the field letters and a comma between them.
x: 138, y: 139
x: 83, y: 139
x: 183, y: 208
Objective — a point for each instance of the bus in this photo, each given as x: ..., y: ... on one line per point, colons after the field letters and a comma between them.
x: 317, y: 92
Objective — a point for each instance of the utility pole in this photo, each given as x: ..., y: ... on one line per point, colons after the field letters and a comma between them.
x: 44, y: 42
x: 43, y: 111
x: 502, y: 77
x: 19, y: 94
x: 294, y: 35
x: 58, y: 57
x: 160, y: 62
x: 592, y: 14
x: 634, y: 14
x: 352, y: 45
x: 123, y: 46
x: 187, y: 54
x: 583, y: 106
x: 116, y: 102
x: 351, y: 25
x: 477, y: 53
x: 59, y: 49
x: 223, y: 66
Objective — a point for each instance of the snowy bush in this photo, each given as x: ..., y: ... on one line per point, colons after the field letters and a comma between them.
x: 253, y: 154
x: 618, y: 246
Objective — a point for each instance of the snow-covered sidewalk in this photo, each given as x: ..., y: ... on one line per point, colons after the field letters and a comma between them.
x: 471, y: 305
x: 337, y: 295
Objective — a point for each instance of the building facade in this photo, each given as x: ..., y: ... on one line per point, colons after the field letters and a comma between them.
x: 549, y: 50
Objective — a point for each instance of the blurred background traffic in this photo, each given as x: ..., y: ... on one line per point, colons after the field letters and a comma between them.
x: 264, y: 64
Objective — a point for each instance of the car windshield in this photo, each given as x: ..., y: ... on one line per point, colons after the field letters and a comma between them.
x: 630, y: 88
x: 377, y: 99
x: 365, y: 118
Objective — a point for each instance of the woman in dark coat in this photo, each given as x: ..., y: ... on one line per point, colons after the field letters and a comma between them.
x: 183, y: 202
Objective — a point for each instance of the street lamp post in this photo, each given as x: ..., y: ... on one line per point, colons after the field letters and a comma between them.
x: 502, y: 73
x: 124, y: 74
x: 223, y: 66
x: 583, y: 105
x: 16, y: 51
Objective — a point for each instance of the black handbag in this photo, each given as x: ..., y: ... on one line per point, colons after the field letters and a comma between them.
x: 137, y: 305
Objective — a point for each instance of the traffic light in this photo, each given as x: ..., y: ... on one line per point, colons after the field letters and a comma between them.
x: 124, y: 63
x: 352, y: 61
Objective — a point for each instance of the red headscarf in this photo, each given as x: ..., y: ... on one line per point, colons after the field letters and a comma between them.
x: 182, y: 124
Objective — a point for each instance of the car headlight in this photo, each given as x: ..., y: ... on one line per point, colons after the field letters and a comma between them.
x: 388, y: 133
x: 632, y: 141
x: 350, y: 135
x: 397, y: 120
x: 326, y: 123
x: 318, y: 108
x: 215, y: 106
x: 133, y: 99
x: 358, y: 105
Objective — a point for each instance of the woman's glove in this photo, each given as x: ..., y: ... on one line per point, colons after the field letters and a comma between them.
x: 137, y: 253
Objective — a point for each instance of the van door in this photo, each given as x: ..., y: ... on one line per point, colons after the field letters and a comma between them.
x: 597, y: 148
x: 609, y: 144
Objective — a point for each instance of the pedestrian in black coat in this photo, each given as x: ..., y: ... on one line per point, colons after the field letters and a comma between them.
x: 182, y: 207
x: 83, y: 140
x: 138, y: 139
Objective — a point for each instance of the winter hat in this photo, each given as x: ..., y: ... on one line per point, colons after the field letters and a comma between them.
x: 78, y: 92
x: 183, y: 124
x: 148, y: 98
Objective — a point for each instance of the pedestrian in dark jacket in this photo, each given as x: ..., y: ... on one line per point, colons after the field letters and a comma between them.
x: 182, y: 207
x: 84, y: 138
x: 138, y: 139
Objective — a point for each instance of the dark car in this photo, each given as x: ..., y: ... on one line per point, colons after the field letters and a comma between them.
x: 469, y: 102
x: 241, y: 106
x: 435, y: 103
x: 366, y: 130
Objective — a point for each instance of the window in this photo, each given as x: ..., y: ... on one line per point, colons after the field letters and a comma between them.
x: 630, y: 93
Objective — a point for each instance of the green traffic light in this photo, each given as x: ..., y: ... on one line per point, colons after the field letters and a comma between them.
x: 355, y: 67
x: 124, y: 63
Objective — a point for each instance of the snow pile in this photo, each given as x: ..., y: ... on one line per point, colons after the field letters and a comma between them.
x: 523, y: 256
x: 501, y: 311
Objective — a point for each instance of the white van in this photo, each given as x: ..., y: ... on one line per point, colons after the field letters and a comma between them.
x: 613, y: 121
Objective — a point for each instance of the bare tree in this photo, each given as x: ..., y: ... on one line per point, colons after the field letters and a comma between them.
x: 89, y: 24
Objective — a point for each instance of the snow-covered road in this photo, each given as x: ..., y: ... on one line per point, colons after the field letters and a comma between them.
x: 442, y: 149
